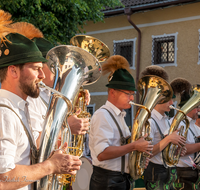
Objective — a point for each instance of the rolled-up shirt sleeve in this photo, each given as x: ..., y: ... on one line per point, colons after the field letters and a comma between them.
x: 102, y: 132
x: 8, y: 141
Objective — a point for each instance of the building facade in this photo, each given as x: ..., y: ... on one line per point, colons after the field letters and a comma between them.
x: 164, y: 33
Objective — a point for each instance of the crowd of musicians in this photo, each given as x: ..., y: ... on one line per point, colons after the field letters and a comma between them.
x: 23, y: 107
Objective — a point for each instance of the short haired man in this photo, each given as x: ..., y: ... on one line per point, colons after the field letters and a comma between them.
x: 157, y: 175
x: 20, y: 71
x: 188, y: 176
x: 38, y: 106
x: 109, y: 156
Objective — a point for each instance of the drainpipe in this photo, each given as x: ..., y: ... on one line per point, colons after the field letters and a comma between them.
x: 129, y: 12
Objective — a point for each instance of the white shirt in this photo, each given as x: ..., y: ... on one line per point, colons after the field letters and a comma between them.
x: 14, y: 143
x: 104, y: 133
x: 184, y: 161
x: 37, y: 110
x: 155, y: 135
x: 196, y: 130
x: 45, y: 95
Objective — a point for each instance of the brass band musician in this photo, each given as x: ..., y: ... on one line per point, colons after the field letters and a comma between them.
x: 109, y: 155
x: 38, y: 106
x: 20, y: 71
x: 187, y: 174
x: 158, y: 174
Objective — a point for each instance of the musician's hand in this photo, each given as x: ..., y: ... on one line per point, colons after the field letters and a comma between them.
x: 87, y: 97
x: 63, y: 163
x: 142, y: 145
x: 146, y: 163
x: 177, y: 139
x: 183, y: 151
x: 78, y: 126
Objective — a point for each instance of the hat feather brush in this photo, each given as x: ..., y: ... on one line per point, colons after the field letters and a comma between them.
x: 5, y: 21
x: 114, y: 63
x: 27, y: 29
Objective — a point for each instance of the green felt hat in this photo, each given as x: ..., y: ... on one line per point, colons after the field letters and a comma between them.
x: 43, y: 45
x: 123, y: 80
x: 18, y: 49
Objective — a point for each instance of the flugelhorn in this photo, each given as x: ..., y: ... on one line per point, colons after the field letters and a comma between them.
x: 171, y: 153
x: 73, y: 67
x: 153, y: 90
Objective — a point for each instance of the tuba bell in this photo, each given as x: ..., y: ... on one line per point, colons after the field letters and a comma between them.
x: 171, y: 153
x: 153, y: 90
x: 92, y: 45
x: 73, y: 67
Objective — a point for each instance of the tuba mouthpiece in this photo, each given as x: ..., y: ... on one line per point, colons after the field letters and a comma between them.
x: 171, y: 107
x: 133, y: 103
x: 41, y: 84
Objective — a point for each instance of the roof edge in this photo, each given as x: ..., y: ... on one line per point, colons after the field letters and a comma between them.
x: 133, y: 9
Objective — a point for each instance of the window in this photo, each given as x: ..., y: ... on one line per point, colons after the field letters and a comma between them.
x: 126, y: 48
x: 164, y: 50
x: 91, y: 108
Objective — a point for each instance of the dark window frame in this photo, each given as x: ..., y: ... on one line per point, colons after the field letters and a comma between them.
x: 164, y: 50
x: 127, y: 43
x: 91, y: 107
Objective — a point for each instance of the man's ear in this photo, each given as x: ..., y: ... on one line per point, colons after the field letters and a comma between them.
x: 13, y: 71
x: 113, y: 92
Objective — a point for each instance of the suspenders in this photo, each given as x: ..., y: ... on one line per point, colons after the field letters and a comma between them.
x: 34, y: 151
x: 195, y: 138
x: 122, y: 139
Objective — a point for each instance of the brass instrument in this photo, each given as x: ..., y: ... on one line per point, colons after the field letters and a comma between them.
x: 76, y: 146
x: 153, y: 90
x: 171, y: 153
x: 101, y: 51
x: 92, y: 45
x: 73, y: 67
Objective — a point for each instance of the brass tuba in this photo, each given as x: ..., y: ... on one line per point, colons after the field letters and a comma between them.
x: 153, y: 90
x: 171, y: 153
x: 101, y: 51
x: 73, y: 67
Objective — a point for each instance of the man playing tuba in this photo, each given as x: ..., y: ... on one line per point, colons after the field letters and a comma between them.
x: 21, y: 71
x: 38, y: 106
x: 187, y: 176
x: 107, y: 139
x: 158, y: 174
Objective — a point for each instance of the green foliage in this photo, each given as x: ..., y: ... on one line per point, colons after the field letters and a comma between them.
x: 59, y: 20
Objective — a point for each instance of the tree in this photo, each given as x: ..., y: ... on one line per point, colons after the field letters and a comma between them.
x: 59, y: 20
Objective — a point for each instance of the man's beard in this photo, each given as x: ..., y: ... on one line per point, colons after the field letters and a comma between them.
x: 29, y: 89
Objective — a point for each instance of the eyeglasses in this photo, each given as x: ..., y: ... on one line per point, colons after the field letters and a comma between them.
x: 129, y: 94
